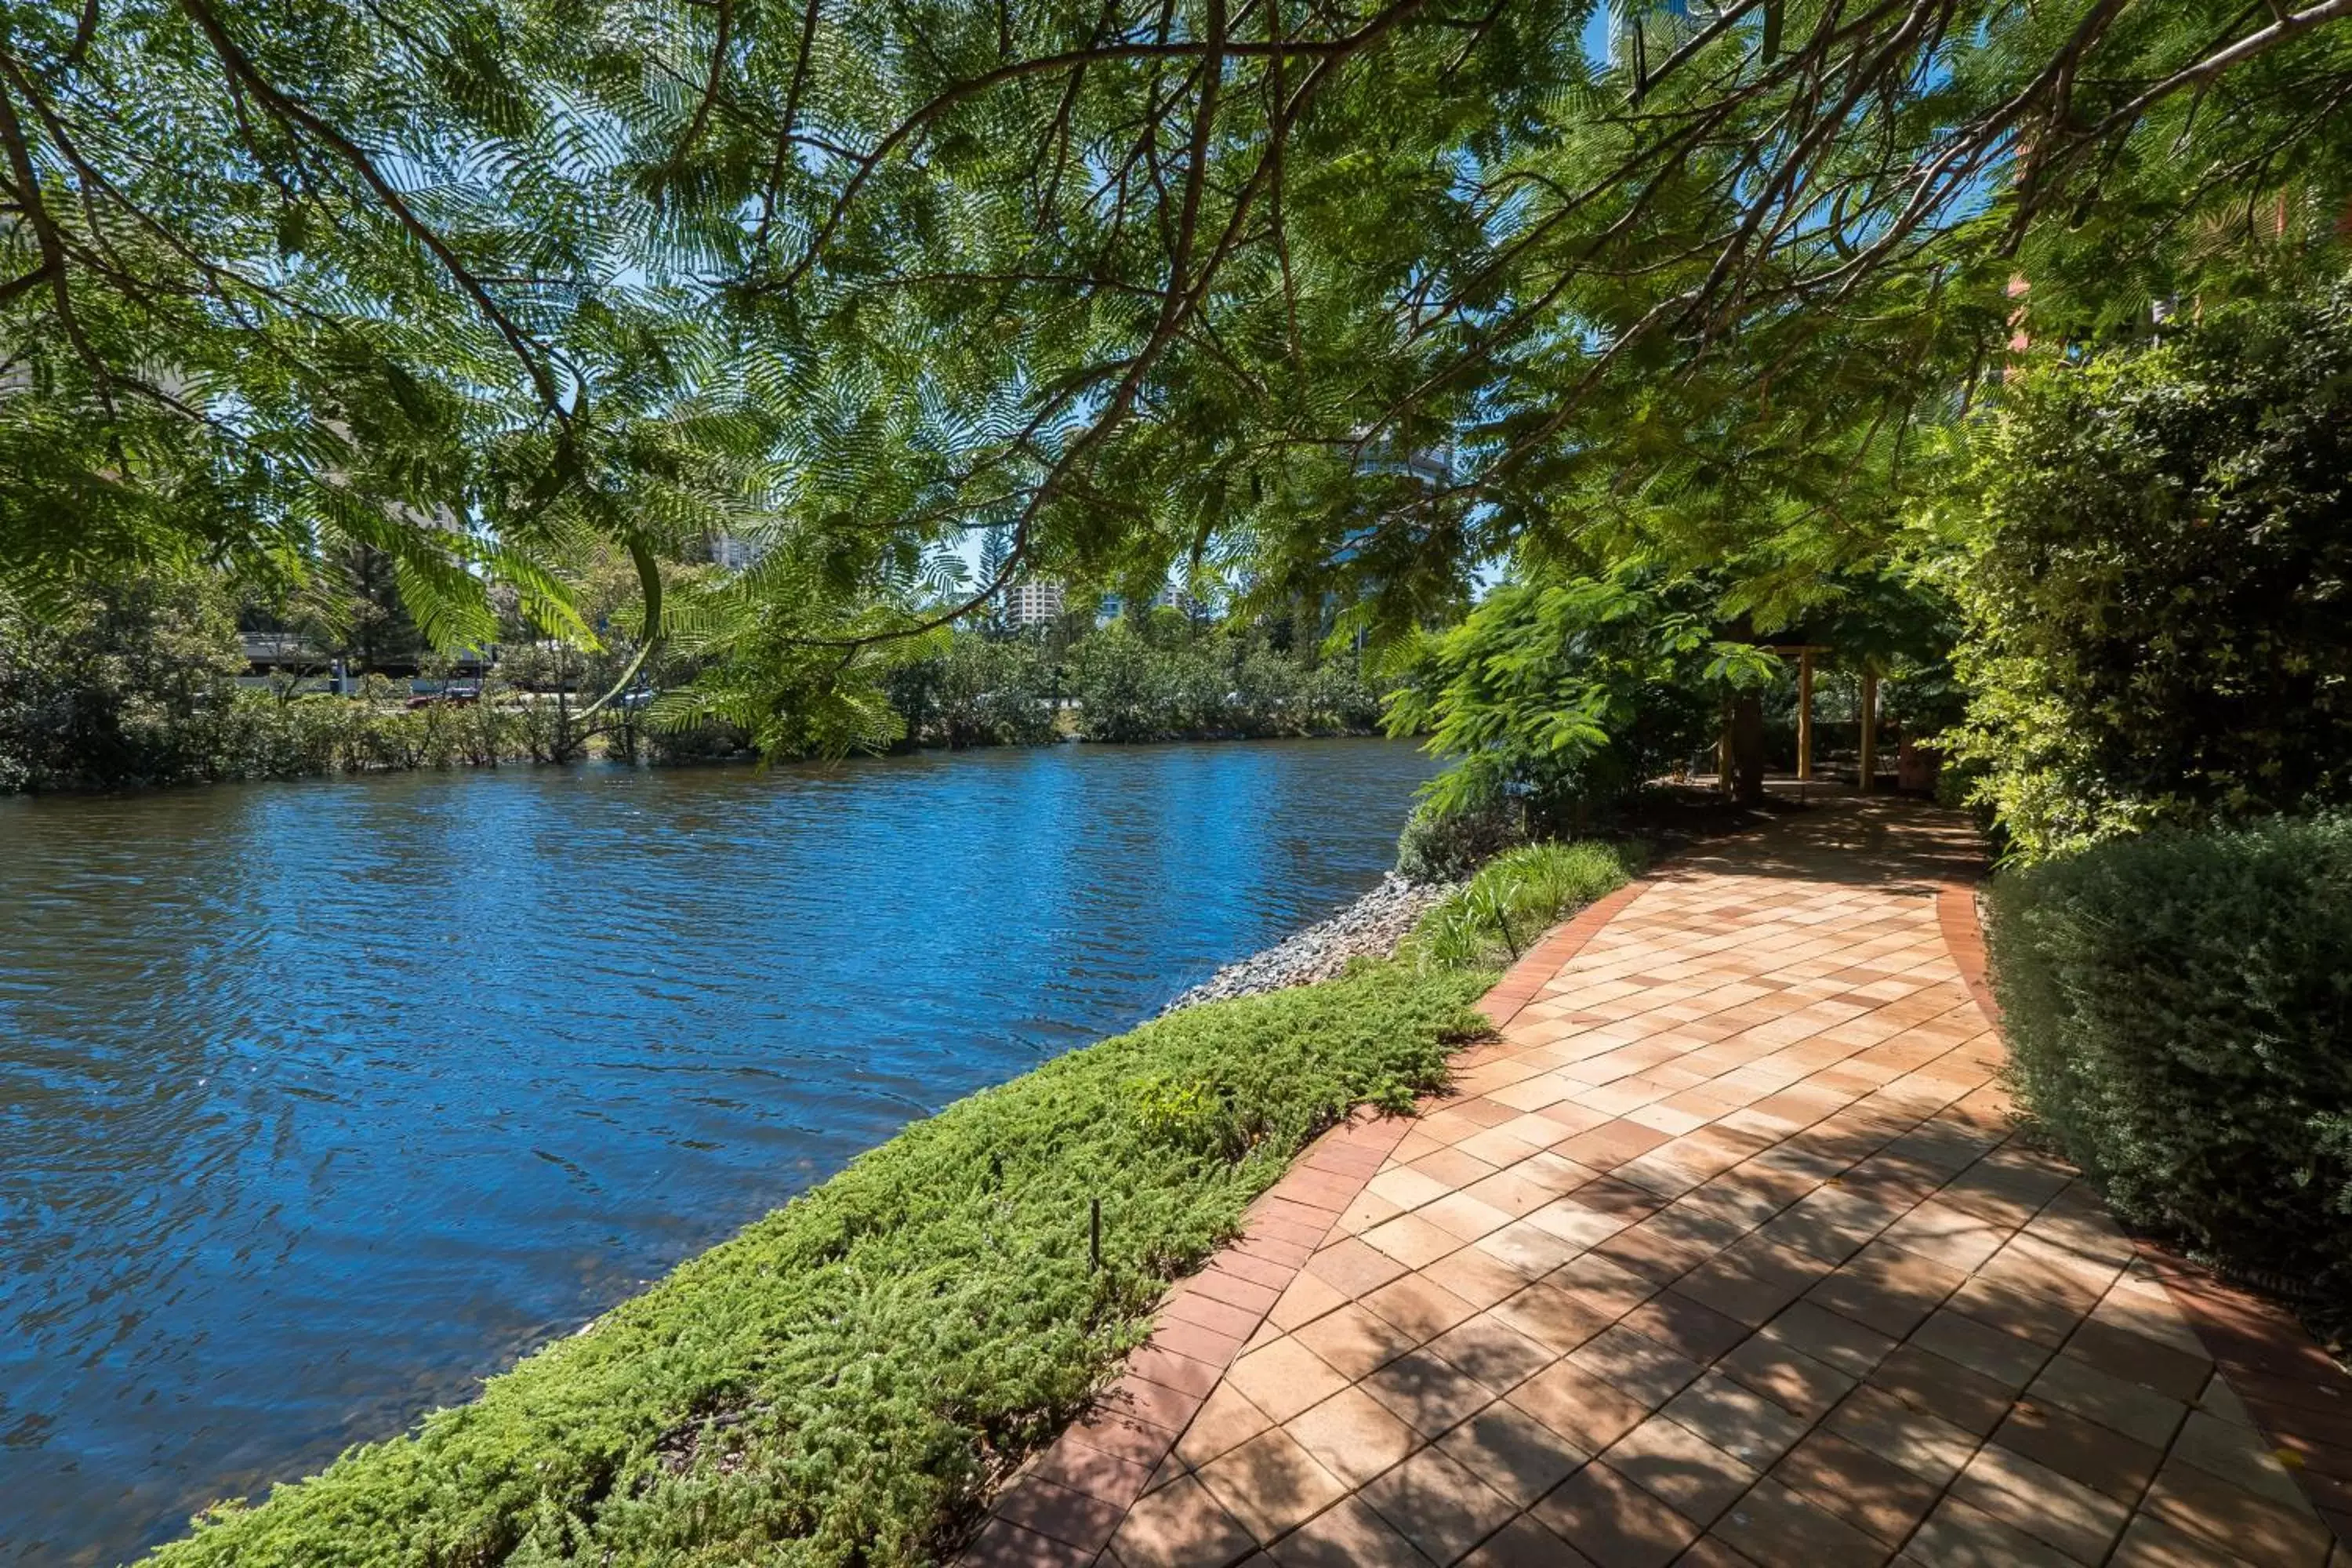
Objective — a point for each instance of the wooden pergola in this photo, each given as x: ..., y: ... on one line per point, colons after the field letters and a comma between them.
x: 1868, y: 705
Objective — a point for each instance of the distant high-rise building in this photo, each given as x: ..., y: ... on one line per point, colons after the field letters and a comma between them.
x: 1035, y: 602
x: 734, y: 553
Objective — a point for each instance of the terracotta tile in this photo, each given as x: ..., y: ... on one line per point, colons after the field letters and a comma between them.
x: 2106, y: 1461
x: 1745, y: 1425
x: 2137, y: 1413
x: 2239, y: 1455
x: 1690, y: 1327
x: 1959, y: 1535
x: 1926, y: 1381
x: 1786, y: 1376
x: 1777, y: 1527
x: 2005, y: 1358
x: 1073, y: 1518
x: 1874, y: 1495
x: 1191, y: 1306
x: 1430, y: 1393
x: 1605, y: 1284
x: 2138, y: 1359
x: 1927, y: 1446
x: 1226, y: 1421
x: 1271, y: 1484
x: 1512, y: 1452
x: 2042, y: 1503
x: 1829, y: 1338
x: 1579, y: 1407
x: 1885, y: 1288
x: 1156, y: 1363
x: 1479, y: 1278
x: 1307, y: 1299
x: 1408, y: 1189
x: 1418, y: 1307
x: 1673, y: 1463
x: 1614, y: 1523
x: 1439, y: 1506
x: 1004, y: 1544
x: 1491, y: 1351
x: 1355, y: 1341
x: 1635, y: 1365
x: 1523, y: 1543
x: 1413, y: 1240
x: 1352, y: 1435
x: 1554, y: 1316
x: 1528, y: 1247
x: 2149, y: 1543
x: 2255, y: 1526
x: 1351, y: 1535
x: 1353, y: 1268
x: 1285, y: 1378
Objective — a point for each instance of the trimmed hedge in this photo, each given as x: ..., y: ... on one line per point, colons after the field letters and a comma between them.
x: 2179, y: 1010
x: 841, y: 1383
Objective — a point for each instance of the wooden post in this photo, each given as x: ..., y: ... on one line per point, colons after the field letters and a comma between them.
x: 1805, y: 713
x: 1869, y: 732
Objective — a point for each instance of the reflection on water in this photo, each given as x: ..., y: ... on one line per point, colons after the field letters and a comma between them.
x: 318, y: 1101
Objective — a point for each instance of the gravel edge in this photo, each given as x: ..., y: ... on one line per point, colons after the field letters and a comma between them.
x: 1371, y: 927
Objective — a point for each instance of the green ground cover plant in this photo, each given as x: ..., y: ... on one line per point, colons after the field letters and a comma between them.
x: 841, y: 1383
x: 1519, y: 895
x: 2179, y: 1014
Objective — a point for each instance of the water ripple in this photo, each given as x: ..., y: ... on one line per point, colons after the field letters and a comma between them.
x: 318, y: 1101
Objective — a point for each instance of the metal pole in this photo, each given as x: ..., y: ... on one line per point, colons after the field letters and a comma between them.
x: 1805, y: 714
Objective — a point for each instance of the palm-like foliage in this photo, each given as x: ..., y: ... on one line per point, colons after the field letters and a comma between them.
x: 1337, y: 291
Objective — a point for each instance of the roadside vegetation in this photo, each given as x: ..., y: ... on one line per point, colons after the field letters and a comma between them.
x: 1495, y: 917
x: 841, y: 1383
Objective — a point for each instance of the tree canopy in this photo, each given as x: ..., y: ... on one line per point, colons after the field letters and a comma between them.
x: 1340, y: 295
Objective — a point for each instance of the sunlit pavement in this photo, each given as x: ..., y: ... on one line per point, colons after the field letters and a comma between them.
x: 1724, y: 1253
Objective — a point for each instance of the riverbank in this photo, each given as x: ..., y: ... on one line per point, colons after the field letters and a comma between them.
x: 852, y: 1378
x: 853, y: 1375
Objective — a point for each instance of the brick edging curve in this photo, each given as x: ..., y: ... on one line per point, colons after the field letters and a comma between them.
x: 1063, y: 1507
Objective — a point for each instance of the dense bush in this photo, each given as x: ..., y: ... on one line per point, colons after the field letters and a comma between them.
x: 1556, y: 699
x: 1500, y: 912
x: 839, y: 1383
x: 1165, y: 678
x: 2179, y: 1010
x: 2160, y: 607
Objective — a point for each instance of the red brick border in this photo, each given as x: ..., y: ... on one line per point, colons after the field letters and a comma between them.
x: 1955, y: 916
x: 1063, y: 1508
x: 1548, y: 956
x: 2295, y: 1392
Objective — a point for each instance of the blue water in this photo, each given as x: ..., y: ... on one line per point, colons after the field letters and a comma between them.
x: 318, y: 1101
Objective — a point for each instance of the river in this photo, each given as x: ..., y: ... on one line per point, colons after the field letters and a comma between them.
x: 320, y: 1101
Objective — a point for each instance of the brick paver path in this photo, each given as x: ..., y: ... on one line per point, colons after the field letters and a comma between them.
x: 1725, y: 1253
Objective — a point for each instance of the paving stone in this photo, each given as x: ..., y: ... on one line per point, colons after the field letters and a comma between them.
x: 2137, y: 1413
x: 1439, y: 1505
x: 2255, y: 1527
x: 1671, y: 1463
x: 1270, y: 1484
x: 1523, y: 1543
x: 1927, y: 1446
x: 2042, y: 1502
x: 1350, y: 1535
x: 1744, y: 1425
x: 1491, y: 1352
x: 1614, y: 1523
x: 1785, y: 1375
x: 1960, y: 1535
x: 1355, y: 1341
x: 1635, y: 1365
x: 1513, y: 1453
x: 1353, y: 1435
x: 1579, y: 1407
x: 2106, y: 1461
x: 1776, y: 1527
x: 1879, y: 1497
x: 1430, y: 1395
x: 1284, y: 1378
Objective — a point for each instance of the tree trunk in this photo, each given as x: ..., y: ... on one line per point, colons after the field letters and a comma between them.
x: 1747, y: 748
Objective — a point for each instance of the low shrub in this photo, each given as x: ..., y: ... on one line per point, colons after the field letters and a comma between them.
x: 1447, y: 845
x: 2179, y: 1010
x: 1500, y: 912
x: 841, y: 1383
